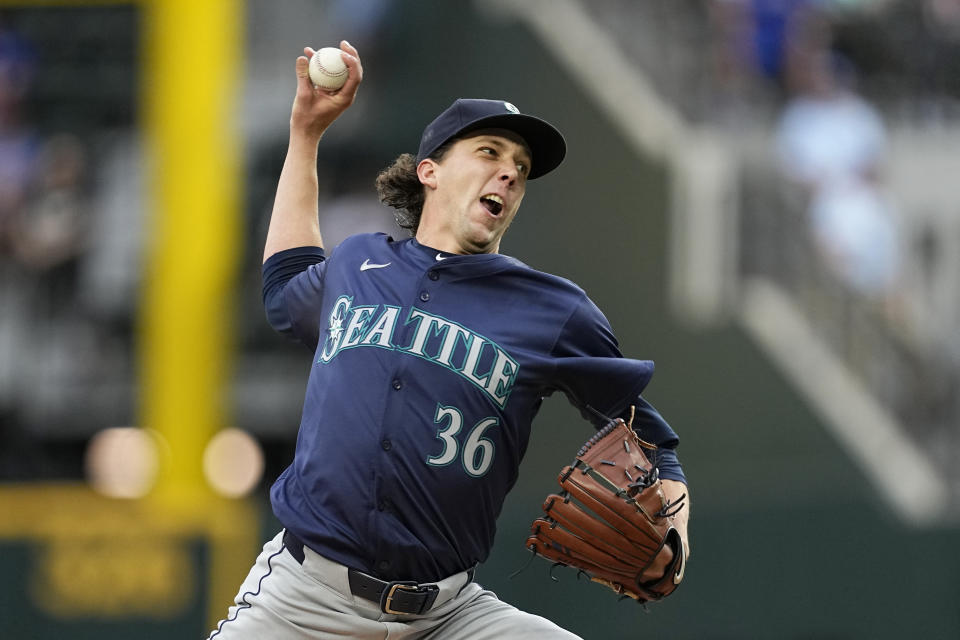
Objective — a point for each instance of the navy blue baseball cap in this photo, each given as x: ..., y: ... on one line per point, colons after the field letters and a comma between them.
x: 547, y: 146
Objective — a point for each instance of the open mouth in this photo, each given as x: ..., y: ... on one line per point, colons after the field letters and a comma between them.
x: 493, y: 203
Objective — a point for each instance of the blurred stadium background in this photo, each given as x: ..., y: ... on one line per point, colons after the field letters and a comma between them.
x: 759, y: 193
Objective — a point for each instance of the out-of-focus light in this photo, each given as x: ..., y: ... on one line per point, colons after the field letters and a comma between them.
x: 122, y: 462
x: 233, y: 463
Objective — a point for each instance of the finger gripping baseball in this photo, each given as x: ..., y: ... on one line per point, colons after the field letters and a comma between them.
x: 611, y: 519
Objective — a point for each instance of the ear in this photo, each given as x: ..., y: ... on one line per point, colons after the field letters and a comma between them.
x: 427, y: 173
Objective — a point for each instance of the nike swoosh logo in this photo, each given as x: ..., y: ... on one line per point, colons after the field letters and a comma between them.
x: 372, y: 265
x: 440, y: 257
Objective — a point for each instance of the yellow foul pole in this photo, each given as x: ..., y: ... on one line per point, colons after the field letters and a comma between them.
x: 193, y: 62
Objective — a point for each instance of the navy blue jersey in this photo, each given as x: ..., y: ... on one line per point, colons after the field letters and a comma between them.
x: 428, y: 370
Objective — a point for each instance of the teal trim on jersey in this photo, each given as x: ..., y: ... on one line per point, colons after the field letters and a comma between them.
x: 472, y: 451
x: 335, y: 328
x: 445, y: 434
x: 504, y: 384
x: 350, y: 327
x: 357, y: 327
x: 390, y: 314
x: 473, y: 448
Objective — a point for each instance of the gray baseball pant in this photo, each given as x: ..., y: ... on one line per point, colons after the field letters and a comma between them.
x: 282, y: 599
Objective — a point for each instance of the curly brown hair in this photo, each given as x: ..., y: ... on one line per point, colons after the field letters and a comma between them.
x: 399, y: 187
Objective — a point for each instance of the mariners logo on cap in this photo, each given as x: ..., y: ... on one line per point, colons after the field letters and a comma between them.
x: 509, y: 107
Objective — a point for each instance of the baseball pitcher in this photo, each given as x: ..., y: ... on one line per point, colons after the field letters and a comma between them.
x: 431, y: 357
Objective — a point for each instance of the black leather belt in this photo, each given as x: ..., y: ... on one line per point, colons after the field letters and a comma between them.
x: 397, y: 597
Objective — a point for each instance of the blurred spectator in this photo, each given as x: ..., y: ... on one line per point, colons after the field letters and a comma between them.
x: 42, y: 195
x: 18, y: 143
x: 49, y: 229
x: 827, y: 131
x: 362, y: 20
x: 833, y: 143
x: 43, y: 220
x: 852, y: 225
x: 756, y: 41
x: 943, y: 17
x: 18, y: 150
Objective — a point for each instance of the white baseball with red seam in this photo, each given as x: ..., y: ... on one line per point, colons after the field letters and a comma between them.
x: 327, y: 69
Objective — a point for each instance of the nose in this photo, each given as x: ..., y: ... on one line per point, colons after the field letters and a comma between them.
x: 508, y: 174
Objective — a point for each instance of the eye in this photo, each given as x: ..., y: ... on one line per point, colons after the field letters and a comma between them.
x: 522, y: 169
x: 488, y: 150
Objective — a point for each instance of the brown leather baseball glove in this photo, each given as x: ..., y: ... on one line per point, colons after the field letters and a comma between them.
x: 611, y: 520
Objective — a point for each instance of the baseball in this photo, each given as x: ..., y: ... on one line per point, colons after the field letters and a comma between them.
x: 327, y: 70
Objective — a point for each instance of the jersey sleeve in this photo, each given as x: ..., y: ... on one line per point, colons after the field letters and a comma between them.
x: 292, y: 282
x: 594, y: 375
x: 589, y: 368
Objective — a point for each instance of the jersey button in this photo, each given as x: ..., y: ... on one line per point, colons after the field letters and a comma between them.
x: 424, y: 295
x: 397, y: 384
x: 386, y: 444
x: 433, y: 275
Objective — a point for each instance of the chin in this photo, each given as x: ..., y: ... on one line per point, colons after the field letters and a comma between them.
x: 482, y: 241
x: 476, y: 245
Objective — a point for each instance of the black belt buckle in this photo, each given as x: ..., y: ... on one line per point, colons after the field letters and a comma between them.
x: 402, y: 597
